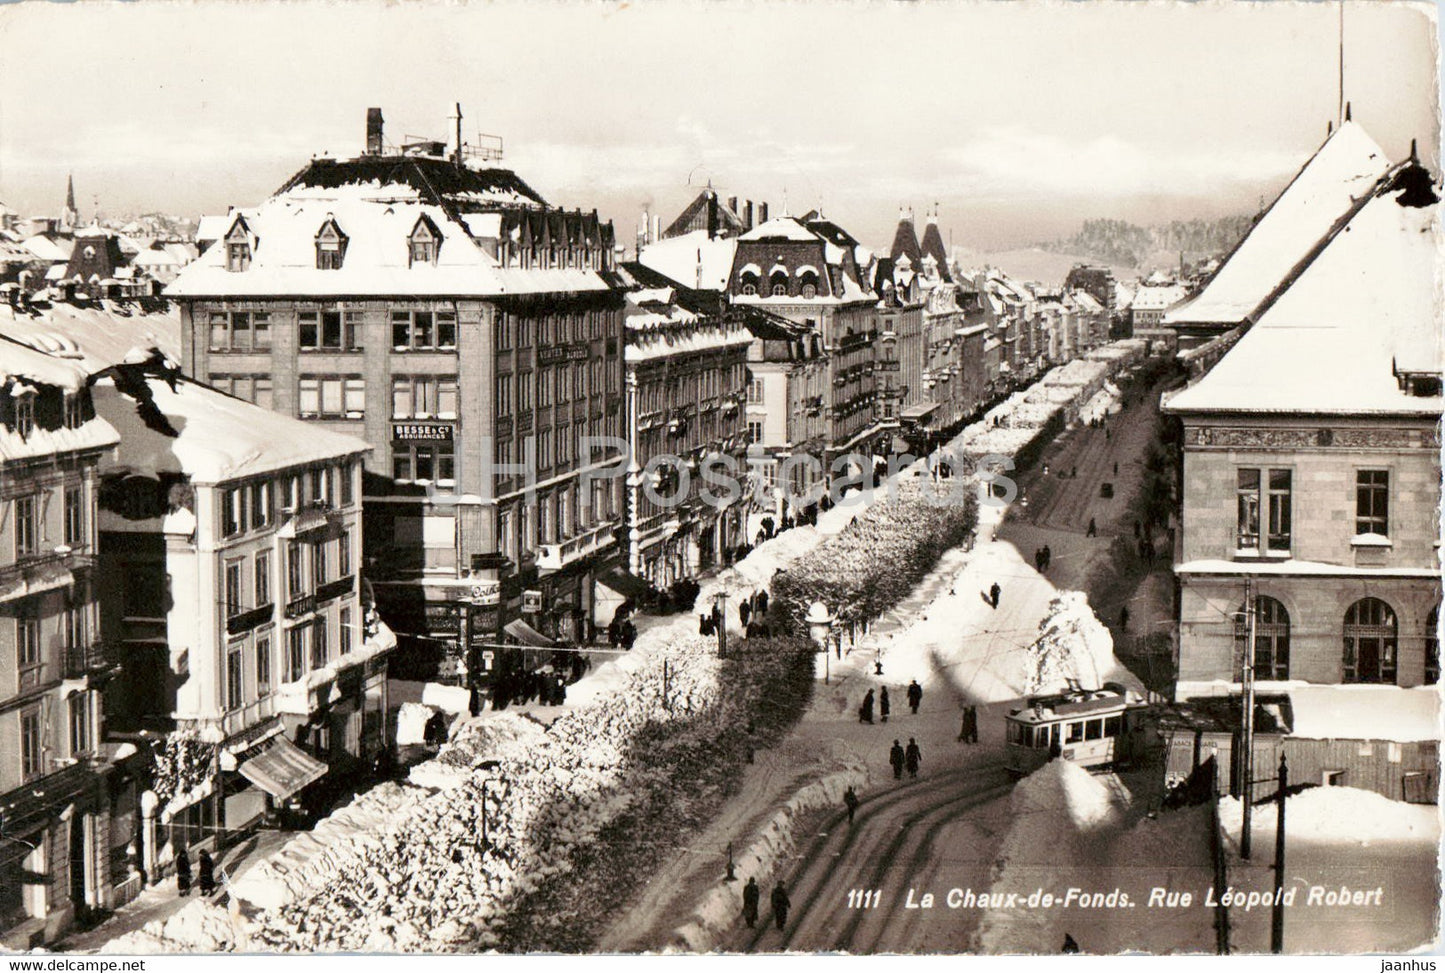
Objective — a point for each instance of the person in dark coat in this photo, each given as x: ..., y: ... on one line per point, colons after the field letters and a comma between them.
x: 850, y: 798
x: 207, y: 869
x: 970, y: 720
x: 865, y: 712
x: 780, y: 905
x: 183, y: 873
x: 762, y: 602
x: 883, y: 705
x: 993, y: 592
x: 1048, y: 557
x: 702, y: 625
x: 963, y: 727
x: 911, y: 757
x: 1093, y: 530
x: 744, y: 612
x: 1124, y: 617
x: 1069, y: 945
x: 896, y: 757
x: 915, y: 696
x: 751, y: 895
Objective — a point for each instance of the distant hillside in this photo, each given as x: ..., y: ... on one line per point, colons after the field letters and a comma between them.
x: 1034, y: 264
x: 1129, y: 245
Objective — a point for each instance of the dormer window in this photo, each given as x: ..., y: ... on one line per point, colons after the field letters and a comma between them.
x: 238, y: 246
x: 25, y: 413
x: 424, y: 242
x: 330, y: 246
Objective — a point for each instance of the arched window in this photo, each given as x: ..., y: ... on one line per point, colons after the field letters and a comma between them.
x: 750, y: 284
x: 1371, y: 634
x: 779, y: 282
x: 1271, y: 639
x: 808, y: 284
x: 1432, y: 646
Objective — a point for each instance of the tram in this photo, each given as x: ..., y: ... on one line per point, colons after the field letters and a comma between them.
x: 1090, y: 727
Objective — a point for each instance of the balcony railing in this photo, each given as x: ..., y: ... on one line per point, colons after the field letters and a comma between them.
x: 554, y: 557
x: 81, y: 660
x: 39, y: 569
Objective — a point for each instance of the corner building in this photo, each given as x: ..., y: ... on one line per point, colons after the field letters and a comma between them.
x: 442, y: 311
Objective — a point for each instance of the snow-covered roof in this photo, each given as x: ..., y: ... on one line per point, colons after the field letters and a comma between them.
x: 1152, y: 297
x: 1366, y: 713
x: 1342, y: 169
x: 45, y: 248
x: 217, y: 438
x: 781, y: 228
x: 212, y: 227
x: 694, y: 258
x: 98, y: 334
x: 1330, y: 342
x: 28, y: 367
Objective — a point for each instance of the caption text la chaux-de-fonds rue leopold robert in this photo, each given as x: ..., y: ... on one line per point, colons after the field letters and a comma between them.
x: 1116, y: 898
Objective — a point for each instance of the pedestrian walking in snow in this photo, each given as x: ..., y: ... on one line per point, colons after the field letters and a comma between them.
x: 1124, y: 617
x: 993, y: 593
x: 1073, y: 472
x: 1048, y: 557
x: 883, y: 705
x: 702, y: 626
x: 971, y: 716
x: 896, y: 756
x: 762, y: 602
x: 780, y: 905
x: 865, y: 712
x: 1038, y: 559
x: 915, y: 696
x: 1093, y: 530
x: 751, y: 896
x: 911, y: 758
x: 183, y: 873
x: 207, y: 869
x: 850, y: 799
x: 963, y: 727
x: 745, y: 612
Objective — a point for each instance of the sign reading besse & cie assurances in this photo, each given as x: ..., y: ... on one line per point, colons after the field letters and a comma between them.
x: 421, y: 431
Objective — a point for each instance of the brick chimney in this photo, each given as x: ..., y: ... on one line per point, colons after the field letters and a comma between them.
x: 748, y: 215
x: 762, y: 213
x: 373, y: 131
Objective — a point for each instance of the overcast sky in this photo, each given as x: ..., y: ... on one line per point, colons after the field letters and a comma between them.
x: 1020, y: 119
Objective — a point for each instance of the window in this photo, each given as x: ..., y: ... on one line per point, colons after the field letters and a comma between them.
x: 234, y: 601
x: 348, y: 488
x: 75, y: 516
x: 1372, y: 502
x: 31, y: 751
x: 320, y: 563
x: 1112, y: 725
x: 749, y: 284
x: 1370, y: 635
x: 263, y: 578
x: 1432, y: 647
x: 327, y: 330
x: 504, y: 395
x: 263, y: 664
x: 74, y: 410
x: 332, y: 397
x: 330, y: 246
x: 347, y: 633
x: 233, y: 511
x: 524, y: 392
x: 779, y: 284
x: 755, y: 431
x: 296, y: 653
x: 234, y: 663
x: 27, y: 642
x: 423, y: 462
x: 1075, y: 733
x: 295, y: 570
x: 240, y: 331
x: 343, y: 555
x: 1271, y: 639
x: 238, y: 256
x: 424, y: 243
x: 261, y: 503
x: 1094, y: 729
x: 435, y: 397
x: 755, y: 390
x: 1266, y: 491
x: 423, y: 330
x: 79, y: 711
x: 27, y: 527
x: 25, y: 414
x: 320, y: 644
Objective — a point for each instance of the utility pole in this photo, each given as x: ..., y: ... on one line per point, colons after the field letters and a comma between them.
x: 1247, y: 759
x: 1276, y: 926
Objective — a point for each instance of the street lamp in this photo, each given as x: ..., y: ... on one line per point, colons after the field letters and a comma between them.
x: 486, y: 765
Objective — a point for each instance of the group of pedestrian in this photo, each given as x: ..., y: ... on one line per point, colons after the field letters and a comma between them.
x: 205, y: 867
x: 779, y: 901
x: 1042, y: 557
x: 885, y: 705
x: 905, y: 759
x: 621, y: 633
x: 968, y: 732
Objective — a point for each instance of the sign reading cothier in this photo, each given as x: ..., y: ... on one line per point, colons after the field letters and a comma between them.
x: 421, y: 431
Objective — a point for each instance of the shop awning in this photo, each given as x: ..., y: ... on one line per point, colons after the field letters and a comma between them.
x: 282, y: 769
x: 528, y: 635
x: 624, y: 584
x: 918, y: 411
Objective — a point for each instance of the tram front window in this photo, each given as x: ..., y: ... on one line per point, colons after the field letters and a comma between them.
x: 1093, y: 729
x: 1076, y: 733
x: 1111, y: 726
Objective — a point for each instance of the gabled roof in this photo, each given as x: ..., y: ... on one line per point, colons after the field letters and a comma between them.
x: 1345, y: 167
x: 1332, y: 342
x: 781, y: 228
x: 729, y: 223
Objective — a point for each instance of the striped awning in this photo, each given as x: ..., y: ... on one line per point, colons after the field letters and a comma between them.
x: 527, y: 635
x: 283, y: 769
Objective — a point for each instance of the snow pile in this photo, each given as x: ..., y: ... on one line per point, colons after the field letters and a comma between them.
x: 411, y: 720
x: 1341, y: 817
x: 1072, y: 644
x: 769, y: 851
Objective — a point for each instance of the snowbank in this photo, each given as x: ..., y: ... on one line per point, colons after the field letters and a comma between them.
x: 1073, y: 644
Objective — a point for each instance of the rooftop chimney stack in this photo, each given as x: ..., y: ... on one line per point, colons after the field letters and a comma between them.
x: 373, y: 131
x: 762, y: 213
x: 747, y: 215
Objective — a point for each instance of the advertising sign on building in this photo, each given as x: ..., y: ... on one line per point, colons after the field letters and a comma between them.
x: 421, y: 431
x: 531, y: 601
